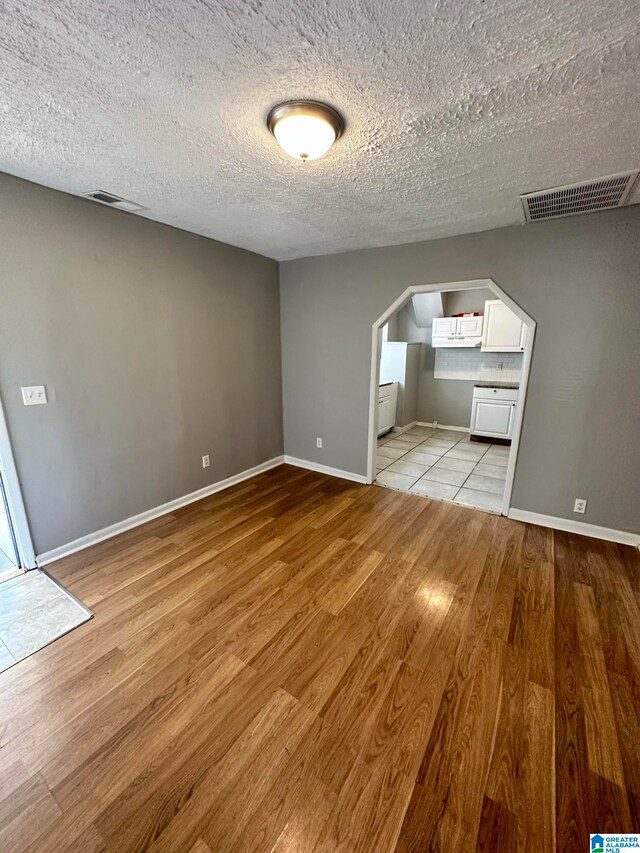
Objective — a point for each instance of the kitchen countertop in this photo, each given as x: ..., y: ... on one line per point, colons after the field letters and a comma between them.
x: 496, y: 385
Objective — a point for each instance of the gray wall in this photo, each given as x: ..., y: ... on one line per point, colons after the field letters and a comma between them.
x: 577, y: 277
x: 156, y: 347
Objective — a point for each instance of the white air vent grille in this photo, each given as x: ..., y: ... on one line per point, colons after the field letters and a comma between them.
x: 602, y: 194
x: 114, y: 200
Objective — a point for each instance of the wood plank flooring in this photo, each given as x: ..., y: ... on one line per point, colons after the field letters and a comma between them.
x: 304, y: 664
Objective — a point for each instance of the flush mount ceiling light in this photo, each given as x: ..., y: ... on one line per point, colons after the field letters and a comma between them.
x: 305, y: 129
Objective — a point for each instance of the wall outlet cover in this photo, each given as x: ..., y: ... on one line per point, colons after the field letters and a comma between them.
x: 318, y: 442
x: 580, y: 505
x: 205, y: 461
x: 34, y: 395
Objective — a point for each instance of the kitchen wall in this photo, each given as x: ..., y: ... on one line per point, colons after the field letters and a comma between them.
x: 156, y: 346
x: 466, y: 301
x: 577, y: 277
x: 393, y: 333
x: 445, y: 401
x: 408, y: 330
x: 412, y: 385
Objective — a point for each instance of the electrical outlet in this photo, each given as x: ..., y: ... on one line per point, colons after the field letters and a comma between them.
x: 580, y: 505
x: 205, y: 461
x: 318, y: 442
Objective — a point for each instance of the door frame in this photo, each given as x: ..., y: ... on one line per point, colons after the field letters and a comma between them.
x: 13, y: 493
x: 376, y: 350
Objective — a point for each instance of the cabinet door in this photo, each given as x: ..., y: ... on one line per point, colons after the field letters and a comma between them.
x: 444, y: 327
x: 503, y: 330
x: 384, y: 414
x: 469, y: 327
x: 493, y: 418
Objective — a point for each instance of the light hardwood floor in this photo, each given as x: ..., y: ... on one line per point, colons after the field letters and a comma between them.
x: 304, y: 664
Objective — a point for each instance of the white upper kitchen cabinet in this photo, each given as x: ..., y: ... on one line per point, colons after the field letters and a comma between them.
x: 456, y: 331
x: 444, y: 327
x: 469, y: 327
x: 503, y: 331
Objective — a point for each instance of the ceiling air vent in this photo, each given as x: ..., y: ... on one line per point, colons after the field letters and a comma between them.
x: 113, y: 200
x: 579, y: 198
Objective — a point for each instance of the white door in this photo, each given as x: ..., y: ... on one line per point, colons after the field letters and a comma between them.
x: 504, y: 331
x: 444, y: 327
x: 469, y: 327
x: 384, y: 415
x: 493, y: 418
x: 8, y: 550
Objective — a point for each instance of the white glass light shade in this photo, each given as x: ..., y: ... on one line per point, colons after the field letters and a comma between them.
x: 305, y: 129
x: 305, y: 137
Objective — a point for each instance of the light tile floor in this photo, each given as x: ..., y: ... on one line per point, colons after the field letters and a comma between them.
x: 443, y: 464
x: 34, y: 611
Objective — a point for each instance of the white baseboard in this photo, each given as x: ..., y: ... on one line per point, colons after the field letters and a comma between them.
x: 136, y: 520
x: 436, y: 425
x: 580, y: 527
x: 324, y: 469
x: 399, y: 430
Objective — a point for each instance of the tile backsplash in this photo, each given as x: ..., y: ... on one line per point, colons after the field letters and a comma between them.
x: 467, y: 363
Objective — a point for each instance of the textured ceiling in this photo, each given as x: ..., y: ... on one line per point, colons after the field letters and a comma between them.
x: 453, y: 108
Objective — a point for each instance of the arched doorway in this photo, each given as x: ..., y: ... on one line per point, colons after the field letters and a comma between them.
x: 376, y: 348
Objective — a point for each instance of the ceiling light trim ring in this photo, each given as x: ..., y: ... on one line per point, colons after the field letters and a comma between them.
x: 304, y: 107
x: 305, y: 129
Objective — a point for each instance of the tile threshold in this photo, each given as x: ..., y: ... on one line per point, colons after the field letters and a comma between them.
x: 37, y: 611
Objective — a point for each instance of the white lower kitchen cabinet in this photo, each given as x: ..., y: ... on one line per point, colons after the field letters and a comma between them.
x: 493, y: 412
x: 387, y: 403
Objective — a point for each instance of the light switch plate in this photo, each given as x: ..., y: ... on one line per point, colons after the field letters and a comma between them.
x: 34, y: 395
